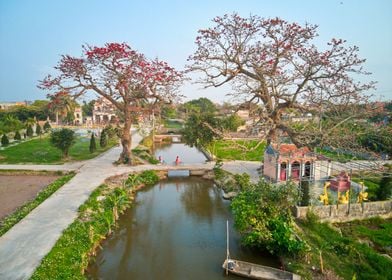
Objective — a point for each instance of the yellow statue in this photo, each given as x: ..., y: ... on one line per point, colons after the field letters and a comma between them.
x: 362, y: 196
x: 343, y: 199
x: 324, y: 197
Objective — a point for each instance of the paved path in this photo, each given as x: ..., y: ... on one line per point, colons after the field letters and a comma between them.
x: 239, y: 167
x: 24, y: 245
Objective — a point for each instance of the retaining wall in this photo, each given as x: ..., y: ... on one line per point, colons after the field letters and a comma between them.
x: 346, y: 212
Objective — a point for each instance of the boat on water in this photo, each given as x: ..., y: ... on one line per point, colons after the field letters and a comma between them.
x: 254, y: 271
x: 257, y: 271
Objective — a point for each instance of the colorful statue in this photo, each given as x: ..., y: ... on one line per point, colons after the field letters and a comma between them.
x: 343, y: 199
x: 362, y: 196
x: 324, y: 197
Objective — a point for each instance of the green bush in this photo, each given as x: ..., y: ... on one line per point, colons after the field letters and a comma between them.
x: 47, y: 126
x: 38, y: 129
x: 384, y: 191
x: 305, y: 195
x: 29, y: 131
x: 103, y: 141
x: 263, y: 216
x: 4, y: 140
x: 242, y: 181
x: 17, y: 136
x: 148, y: 177
x: 93, y: 145
x: 63, y: 139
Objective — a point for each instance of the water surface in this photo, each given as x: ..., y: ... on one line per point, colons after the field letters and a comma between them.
x: 186, y: 154
x: 176, y: 230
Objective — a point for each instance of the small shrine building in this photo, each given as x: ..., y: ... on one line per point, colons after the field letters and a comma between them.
x: 288, y: 162
x: 341, y: 182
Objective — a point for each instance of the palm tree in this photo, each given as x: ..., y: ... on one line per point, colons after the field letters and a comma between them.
x: 61, y: 103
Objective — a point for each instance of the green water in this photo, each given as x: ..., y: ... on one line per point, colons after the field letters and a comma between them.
x: 176, y: 230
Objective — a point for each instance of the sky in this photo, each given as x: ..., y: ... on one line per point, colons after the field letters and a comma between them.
x: 35, y: 33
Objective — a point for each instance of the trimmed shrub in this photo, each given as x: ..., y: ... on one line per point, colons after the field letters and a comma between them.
x: 93, y: 145
x: 4, y: 140
x: 29, y: 131
x: 38, y: 129
x: 47, y: 126
x: 305, y: 196
x: 17, y: 136
x: 103, y: 141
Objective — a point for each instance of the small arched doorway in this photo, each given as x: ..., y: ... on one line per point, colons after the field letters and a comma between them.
x: 295, y: 169
x: 307, y: 169
x: 283, y: 171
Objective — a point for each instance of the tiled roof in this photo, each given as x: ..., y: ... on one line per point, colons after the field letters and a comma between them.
x: 290, y: 149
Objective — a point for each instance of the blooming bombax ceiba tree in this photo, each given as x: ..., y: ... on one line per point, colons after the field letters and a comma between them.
x: 126, y: 78
x: 275, y: 64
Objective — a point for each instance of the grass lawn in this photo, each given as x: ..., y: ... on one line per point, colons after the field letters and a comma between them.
x: 335, y: 155
x: 238, y: 150
x: 347, y: 252
x: 40, y: 151
x: 173, y: 124
x: 376, y: 230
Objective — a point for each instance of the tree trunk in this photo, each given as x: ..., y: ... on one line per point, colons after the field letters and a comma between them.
x: 126, y: 140
x: 57, y: 118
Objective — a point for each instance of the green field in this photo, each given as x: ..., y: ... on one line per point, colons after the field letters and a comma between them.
x: 40, y: 151
x: 238, y: 150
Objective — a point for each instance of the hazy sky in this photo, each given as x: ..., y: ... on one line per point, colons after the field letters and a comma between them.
x: 33, y: 34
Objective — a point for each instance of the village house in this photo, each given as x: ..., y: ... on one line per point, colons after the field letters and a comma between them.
x: 78, y: 116
x: 103, y: 112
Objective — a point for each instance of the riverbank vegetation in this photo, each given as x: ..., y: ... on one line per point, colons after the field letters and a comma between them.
x: 348, y: 250
x: 262, y: 215
x: 70, y: 256
x: 12, y: 219
x: 40, y: 151
x: 314, y: 250
x: 144, y: 151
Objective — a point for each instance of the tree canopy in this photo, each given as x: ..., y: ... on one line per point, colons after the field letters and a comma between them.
x: 125, y: 77
x: 276, y: 64
x: 201, y: 105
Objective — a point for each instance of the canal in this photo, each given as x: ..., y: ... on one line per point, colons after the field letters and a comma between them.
x: 169, y: 151
x: 176, y: 230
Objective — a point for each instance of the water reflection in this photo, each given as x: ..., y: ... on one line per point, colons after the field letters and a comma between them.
x: 177, y: 230
x: 169, y: 152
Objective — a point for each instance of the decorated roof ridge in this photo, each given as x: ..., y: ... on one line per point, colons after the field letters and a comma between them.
x: 286, y: 149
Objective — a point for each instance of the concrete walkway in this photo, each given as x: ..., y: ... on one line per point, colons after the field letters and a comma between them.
x: 239, y: 167
x: 24, y: 245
